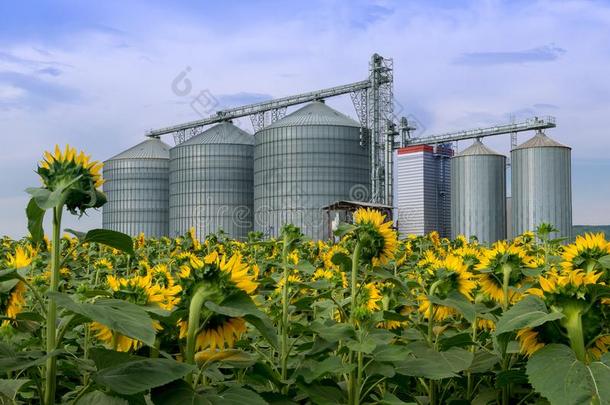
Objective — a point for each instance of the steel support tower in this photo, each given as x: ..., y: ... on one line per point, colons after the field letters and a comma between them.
x: 373, y: 101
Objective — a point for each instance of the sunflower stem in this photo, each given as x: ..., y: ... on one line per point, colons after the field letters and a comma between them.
x: 469, y: 377
x: 199, y: 297
x: 284, y: 349
x: 431, y: 383
x: 51, y: 364
x: 353, y: 382
x: 506, y: 272
x: 115, y: 341
x: 573, y: 324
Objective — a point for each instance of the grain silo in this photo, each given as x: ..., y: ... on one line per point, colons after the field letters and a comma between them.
x: 478, y: 194
x: 541, y: 186
x: 211, y: 186
x: 136, y: 185
x: 303, y: 162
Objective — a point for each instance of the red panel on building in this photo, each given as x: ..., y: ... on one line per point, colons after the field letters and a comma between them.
x: 415, y: 148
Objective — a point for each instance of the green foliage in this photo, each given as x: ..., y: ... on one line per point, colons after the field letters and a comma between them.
x: 136, y: 376
x: 121, y: 316
x: 528, y: 313
x: 555, y: 372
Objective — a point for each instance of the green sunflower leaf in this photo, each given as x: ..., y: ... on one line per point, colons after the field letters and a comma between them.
x: 555, y: 373
x: 113, y: 239
x: 141, y: 375
x: 240, y: 305
x: 121, y: 316
x: 45, y: 198
x: 180, y: 392
x: 428, y: 363
x: 21, y: 360
x: 312, y: 370
x: 459, y: 302
x: 99, y: 398
x: 10, y: 388
x: 527, y: 313
x: 604, y: 261
x: 35, y: 216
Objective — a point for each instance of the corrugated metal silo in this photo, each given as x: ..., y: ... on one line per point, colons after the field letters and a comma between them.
x: 303, y: 162
x: 541, y: 185
x: 211, y: 185
x: 137, y: 190
x: 478, y: 193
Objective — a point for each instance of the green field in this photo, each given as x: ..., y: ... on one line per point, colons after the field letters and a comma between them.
x: 581, y: 229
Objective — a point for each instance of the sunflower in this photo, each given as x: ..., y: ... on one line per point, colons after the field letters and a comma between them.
x: 239, y: 272
x: 491, y: 286
x: 322, y: 274
x: 524, y: 239
x: 193, y: 237
x: 501, y: 252
x: 194, y: 261
x: 451, y: 274
x: 565, y: 283
x: 503, y: 260
x: 139, y: 241
x: 293, y: 278
x: 220, y: 332
x: 139, y: 290
x: 184, y: 271
x: 368, y: 300
x: 76, y: 173
x: 327, y: 257
x: 404, y: 253
x: 469, y: 254
x: 429, y: 259
x: 599, y: 347
x: 460, y: 241
x: 381, y: 240
x: 435, y: 238
x: 335, y: 276
x: 441, y: 312
x: 486, y: 324
x: 160, y: 275
x: 102, y: 264
x: 371, y: 297
x: 529, y: 341
x: 393, y: 324
x: 458, y: 275
x: 15, y: 302
x: 293, y: 257
x: 585, y: 252
x: 123, y: 343
x: 22, y: 257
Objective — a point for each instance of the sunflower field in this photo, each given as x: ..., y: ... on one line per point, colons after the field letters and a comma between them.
x: 101, y: 318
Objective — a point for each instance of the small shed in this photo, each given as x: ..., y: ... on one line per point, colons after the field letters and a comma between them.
x: 343, y: 211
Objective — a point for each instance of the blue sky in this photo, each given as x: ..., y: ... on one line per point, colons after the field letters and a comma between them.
x: 99, y: 74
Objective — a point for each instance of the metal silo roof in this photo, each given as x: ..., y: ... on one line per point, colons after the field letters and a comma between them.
x: 540, y: 140
x: 223, y: 133
x: 477, y: 148
x: 315, y: 113
x: 149, y: 149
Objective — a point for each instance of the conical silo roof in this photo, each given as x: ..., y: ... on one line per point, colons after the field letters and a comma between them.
x: 315, y: 113
x: 151, y: 148
x: 540, y: 140
x: 223, y: 133
x: 477, y: 148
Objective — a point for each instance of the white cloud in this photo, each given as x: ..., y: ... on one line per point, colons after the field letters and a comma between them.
x: 123, y: 71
